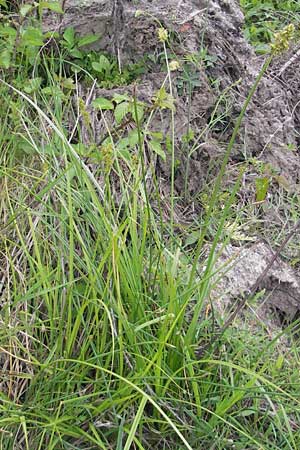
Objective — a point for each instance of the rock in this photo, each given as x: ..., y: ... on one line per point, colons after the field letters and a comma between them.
x: 269, y: 129
x: 240, y: 268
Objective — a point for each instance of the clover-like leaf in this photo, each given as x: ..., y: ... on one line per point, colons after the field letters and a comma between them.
x: 5, y: 59
x: 121, y: 110
x: 32, y: 85
x: 32, y: 36
x: 25, y: 9
x: 157, y: 148
x: 53, y: 6
x: 102, y: 103
x: 119, y: 98
x: 88, y: 39
x: 69, y: 36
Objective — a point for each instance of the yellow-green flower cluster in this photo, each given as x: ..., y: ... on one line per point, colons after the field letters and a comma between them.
x: 139, y: 12
x: 283, y: 38
x: 84, y: 113
x: 162, y: 34
x: 174, y: 65
x: 107, y: 154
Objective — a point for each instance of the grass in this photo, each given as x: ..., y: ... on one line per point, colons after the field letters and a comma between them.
x: 104, y: 310
x: 265, y: 18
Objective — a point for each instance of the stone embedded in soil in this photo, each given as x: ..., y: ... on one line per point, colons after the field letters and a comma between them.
x: 239, y: 270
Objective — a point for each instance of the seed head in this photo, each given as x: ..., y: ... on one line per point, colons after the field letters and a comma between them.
x: 174, y: 65
x: 282, y: 39
x: 162, y: 34
x: 138, y: 13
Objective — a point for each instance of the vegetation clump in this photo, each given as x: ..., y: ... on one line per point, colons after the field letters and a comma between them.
x: 263, y: 19
x: 109, y: 338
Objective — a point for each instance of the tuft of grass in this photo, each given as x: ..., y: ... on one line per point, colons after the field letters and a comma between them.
x: 103, y: 309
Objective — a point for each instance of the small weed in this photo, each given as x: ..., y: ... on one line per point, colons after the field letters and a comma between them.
x: 23, y: 44
x: 265, y: 18
x: 103, y: 67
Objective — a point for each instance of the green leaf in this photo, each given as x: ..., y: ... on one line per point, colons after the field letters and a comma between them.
x: 47, y: 90
x: 32, y: 54
x: 129, y: 141
x: 157, y: 148
x: 261, y: 49
x: 5, y: 59
x: 80, y: 149
x: 124, y: 153
x: 50, y: 149
x: 157, y: 135
x: 192, y: 238
x: 262, y: 185
x: 32, y: 85
x: 88, y: 39
x: 69, y: 36
x: 164, y: 100
x: 133, y: 138
x: 8, y: 32
x: 3, y: 3
x: 76, y: 69
x: 121, y: 110
x: 32, y: 36
x: 102, y: 103
x: 54, y: 91
x: 188, y: 137
x: 101, y: 65
x: 280, y: 361
x: 119, y: 98
x: 123, y: 144
x: 75, y: 53
x: 247, y: 412
x: 169, y: 144
x: 136, y: 422
x: 24, y: 147
x: 51, y: 35
x: 25, y: 9
x: 68, y: 83
x: 53, y: 6
x: 97, y: 66
x: 139, y: 111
